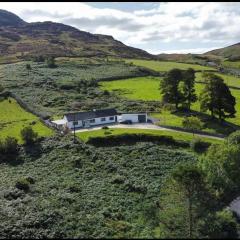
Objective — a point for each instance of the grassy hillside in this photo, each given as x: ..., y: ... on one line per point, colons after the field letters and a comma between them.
x: 230, y: 80
x: 140, y: 88
x: 56, y: 90
x: 13, y: 118
x: 147, y: 89
x: 229, y: 52
x: 84, y: 192
x: 163, y: 66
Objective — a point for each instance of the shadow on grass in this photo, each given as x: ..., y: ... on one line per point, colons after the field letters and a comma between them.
x: 222, y: 127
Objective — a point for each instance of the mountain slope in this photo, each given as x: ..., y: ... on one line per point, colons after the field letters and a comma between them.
x: 9, y: 19
x: 21, y: 40
x: 231, y: 52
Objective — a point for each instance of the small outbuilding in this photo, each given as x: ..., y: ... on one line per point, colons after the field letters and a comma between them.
x: 133, y: 117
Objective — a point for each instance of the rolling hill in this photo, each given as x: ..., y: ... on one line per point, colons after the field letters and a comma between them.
x: 21, y: 40
x: 230, y: 52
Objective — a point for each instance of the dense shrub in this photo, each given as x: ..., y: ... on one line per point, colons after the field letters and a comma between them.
x: 105, y: 127
x: 113, y: 140
x: 234, y: 138
x: 23, y: 184
x: 28, y: 135
x: 197, y: 145
x: 8, y: 149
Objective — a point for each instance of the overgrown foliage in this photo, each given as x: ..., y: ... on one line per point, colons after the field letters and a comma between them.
x: 80, y: 191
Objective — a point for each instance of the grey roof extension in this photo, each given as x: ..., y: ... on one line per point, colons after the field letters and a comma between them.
x: 91, y: 114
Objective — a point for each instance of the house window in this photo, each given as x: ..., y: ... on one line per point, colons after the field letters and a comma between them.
x: 103, y: 119
x: 75, y: 123
x: 111, y: 118
x: 92, y: 120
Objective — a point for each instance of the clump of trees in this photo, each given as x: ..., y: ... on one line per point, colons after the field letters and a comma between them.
x: 28, y: 135
x: 195, y: 195
x: 177, y: 87
x: 188, y: 206
x: 216, y: 97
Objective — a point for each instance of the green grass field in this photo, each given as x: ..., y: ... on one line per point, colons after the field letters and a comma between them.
x: 163, y: 66
x: 147, y: 89
x: 140, y: 88
x: 230, y: 80
x: 235, y: 64
x: 13, y: 118
x: 176, y: 135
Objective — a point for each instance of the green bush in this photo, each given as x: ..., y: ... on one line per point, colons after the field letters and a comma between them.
x: 199, y: 146
x: 51, y: 62
x: 105, y: 127
x: 8, y: 149
x: 113, y: 140
x: 23, y: 184
x: 28, y: 135
x: 234, y: 138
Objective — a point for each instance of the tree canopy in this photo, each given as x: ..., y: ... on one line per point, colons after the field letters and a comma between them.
x: 216, y: 97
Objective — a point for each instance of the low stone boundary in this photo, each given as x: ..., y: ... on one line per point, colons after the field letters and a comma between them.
x: 42, y: 118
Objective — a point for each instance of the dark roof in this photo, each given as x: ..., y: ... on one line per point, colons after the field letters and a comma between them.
x: 91, y: 114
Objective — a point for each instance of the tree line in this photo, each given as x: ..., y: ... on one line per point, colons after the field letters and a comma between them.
x: 195, y: 196
x: 178, y: 87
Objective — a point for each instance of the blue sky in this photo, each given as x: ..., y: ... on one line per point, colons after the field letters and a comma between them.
x: 175, y: 27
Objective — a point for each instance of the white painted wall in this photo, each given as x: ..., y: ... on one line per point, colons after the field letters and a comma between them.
x: 97, y: 122
x: 70, y: 124
x: 130, y: 116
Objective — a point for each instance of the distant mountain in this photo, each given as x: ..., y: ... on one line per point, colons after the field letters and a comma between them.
x: 19, y: 39
x: 231, y: 52
x: 9, y: 19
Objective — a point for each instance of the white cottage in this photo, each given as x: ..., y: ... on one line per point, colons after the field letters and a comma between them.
x: 98, y: 117
x: 91, y: 118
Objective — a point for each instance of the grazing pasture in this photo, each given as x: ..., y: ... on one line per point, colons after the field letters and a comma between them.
x: 230, y: 80
x: 140, y: 88
x: 13, y: 118
x: 163, y: 66
x: 147, y: 89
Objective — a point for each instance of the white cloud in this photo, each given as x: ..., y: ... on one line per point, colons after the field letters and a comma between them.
x: 212, y: 23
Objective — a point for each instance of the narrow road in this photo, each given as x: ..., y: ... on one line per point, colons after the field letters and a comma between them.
x: 147, y: 126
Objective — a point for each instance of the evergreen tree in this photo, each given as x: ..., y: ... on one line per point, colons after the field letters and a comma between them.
x: 216, y: 97
x: 188, y: 87
x: 170, y: 89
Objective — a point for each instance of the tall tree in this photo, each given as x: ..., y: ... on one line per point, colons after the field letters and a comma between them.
x: 185, y: 202
x: 188, y: 87
x: 216, y: 97
x: 170, y: 89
